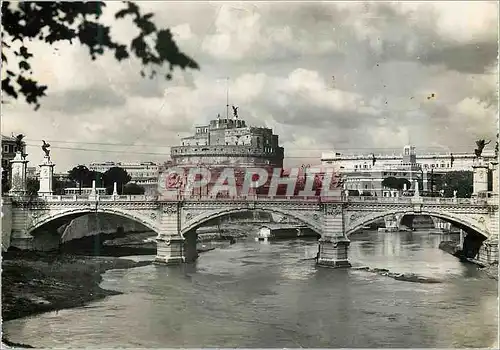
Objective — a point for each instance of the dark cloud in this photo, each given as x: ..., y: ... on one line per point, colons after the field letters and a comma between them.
x: 474, y: 58
x: 80, y: 101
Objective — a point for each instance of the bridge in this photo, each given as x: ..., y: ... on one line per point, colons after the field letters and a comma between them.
x: 175, y: 220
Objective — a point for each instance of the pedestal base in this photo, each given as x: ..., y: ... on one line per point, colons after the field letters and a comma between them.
x: 333, y: 252
x: 488, y: 253
x: 21, y: 241
x: 169, y: 251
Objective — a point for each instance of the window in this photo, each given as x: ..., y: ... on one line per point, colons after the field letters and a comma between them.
x: 5, y: 148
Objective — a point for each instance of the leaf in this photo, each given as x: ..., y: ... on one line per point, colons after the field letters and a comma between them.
x: 8, y: 88
x: 53, y: 22
x: 23, y: 51
x: 24, y: 65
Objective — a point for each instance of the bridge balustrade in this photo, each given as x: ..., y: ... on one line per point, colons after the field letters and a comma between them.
x: 260, y: 198
x: 264, y: 198
x: 352, y: 199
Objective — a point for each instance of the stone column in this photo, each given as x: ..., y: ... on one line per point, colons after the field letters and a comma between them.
x: 495, y: 183
x: 46, y: 177
x: 169, y: 243
x: 18, y: 178
x: 115, y: 191
x: 480, y: 176
x: 425, y: 181
x: 333, y: 244
x: 93, y: 192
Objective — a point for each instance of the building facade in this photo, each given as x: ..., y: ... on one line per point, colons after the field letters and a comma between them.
x: 144, y: 174
x: 229, y: 142
x: 365, y: 173
x: 440, y: 163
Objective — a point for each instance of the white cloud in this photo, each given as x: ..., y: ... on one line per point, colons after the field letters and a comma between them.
x: 182, y: 32
x: 467, y: 21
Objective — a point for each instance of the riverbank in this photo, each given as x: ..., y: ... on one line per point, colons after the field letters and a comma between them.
x: 36, y: 282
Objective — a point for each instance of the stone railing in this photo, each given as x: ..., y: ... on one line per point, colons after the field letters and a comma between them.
x: 427, y: 200
x: 94, y: 198
x: 262, y: 198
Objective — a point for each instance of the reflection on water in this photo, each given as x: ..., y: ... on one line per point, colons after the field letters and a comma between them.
x: 253, y: 294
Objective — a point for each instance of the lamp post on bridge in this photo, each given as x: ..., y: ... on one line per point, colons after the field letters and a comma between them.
x: 304, y: 168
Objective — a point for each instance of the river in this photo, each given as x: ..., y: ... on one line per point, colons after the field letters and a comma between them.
x: 266, y: 295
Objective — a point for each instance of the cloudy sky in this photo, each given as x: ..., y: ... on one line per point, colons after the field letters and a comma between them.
x: 346, y: 76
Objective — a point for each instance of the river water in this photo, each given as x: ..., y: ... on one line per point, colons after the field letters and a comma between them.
x: 255, y: 294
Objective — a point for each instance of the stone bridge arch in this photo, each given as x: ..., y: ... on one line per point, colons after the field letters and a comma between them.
x: 475, y: 222
x: 149, y: 219
x: 312, y: 218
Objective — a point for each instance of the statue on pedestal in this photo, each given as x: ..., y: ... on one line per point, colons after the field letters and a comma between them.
x: 45, y: 148
x: 20, y: 145
x: 480, y: 146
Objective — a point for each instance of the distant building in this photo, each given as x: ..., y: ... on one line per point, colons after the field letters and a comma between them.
x: 61, y: 176
x: 438, y: 161
x: 32, y: 172
x: 225, y: 141
x: 144, y: 174
x: 9, y: 149
x: 365, y: 173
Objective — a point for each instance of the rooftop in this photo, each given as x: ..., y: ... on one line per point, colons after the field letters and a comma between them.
x: 8, y: 138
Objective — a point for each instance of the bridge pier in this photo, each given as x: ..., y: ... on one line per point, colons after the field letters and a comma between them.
x: 333, y: 252
x: 190, y: 251
x: 169, y: 250
x: 22, y: 240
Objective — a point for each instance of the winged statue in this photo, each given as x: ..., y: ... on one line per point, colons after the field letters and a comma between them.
x: 45, y: 148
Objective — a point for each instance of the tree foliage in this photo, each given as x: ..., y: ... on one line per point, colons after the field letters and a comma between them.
x: 133, y: 188
x: 5, y: 181
x: 32, y: 187
x: 396, y: 183
x: 58, y: 186
x: 80, y: 175
x: 118, y: 175
x: 52, y: 22
x: 460, y: 181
